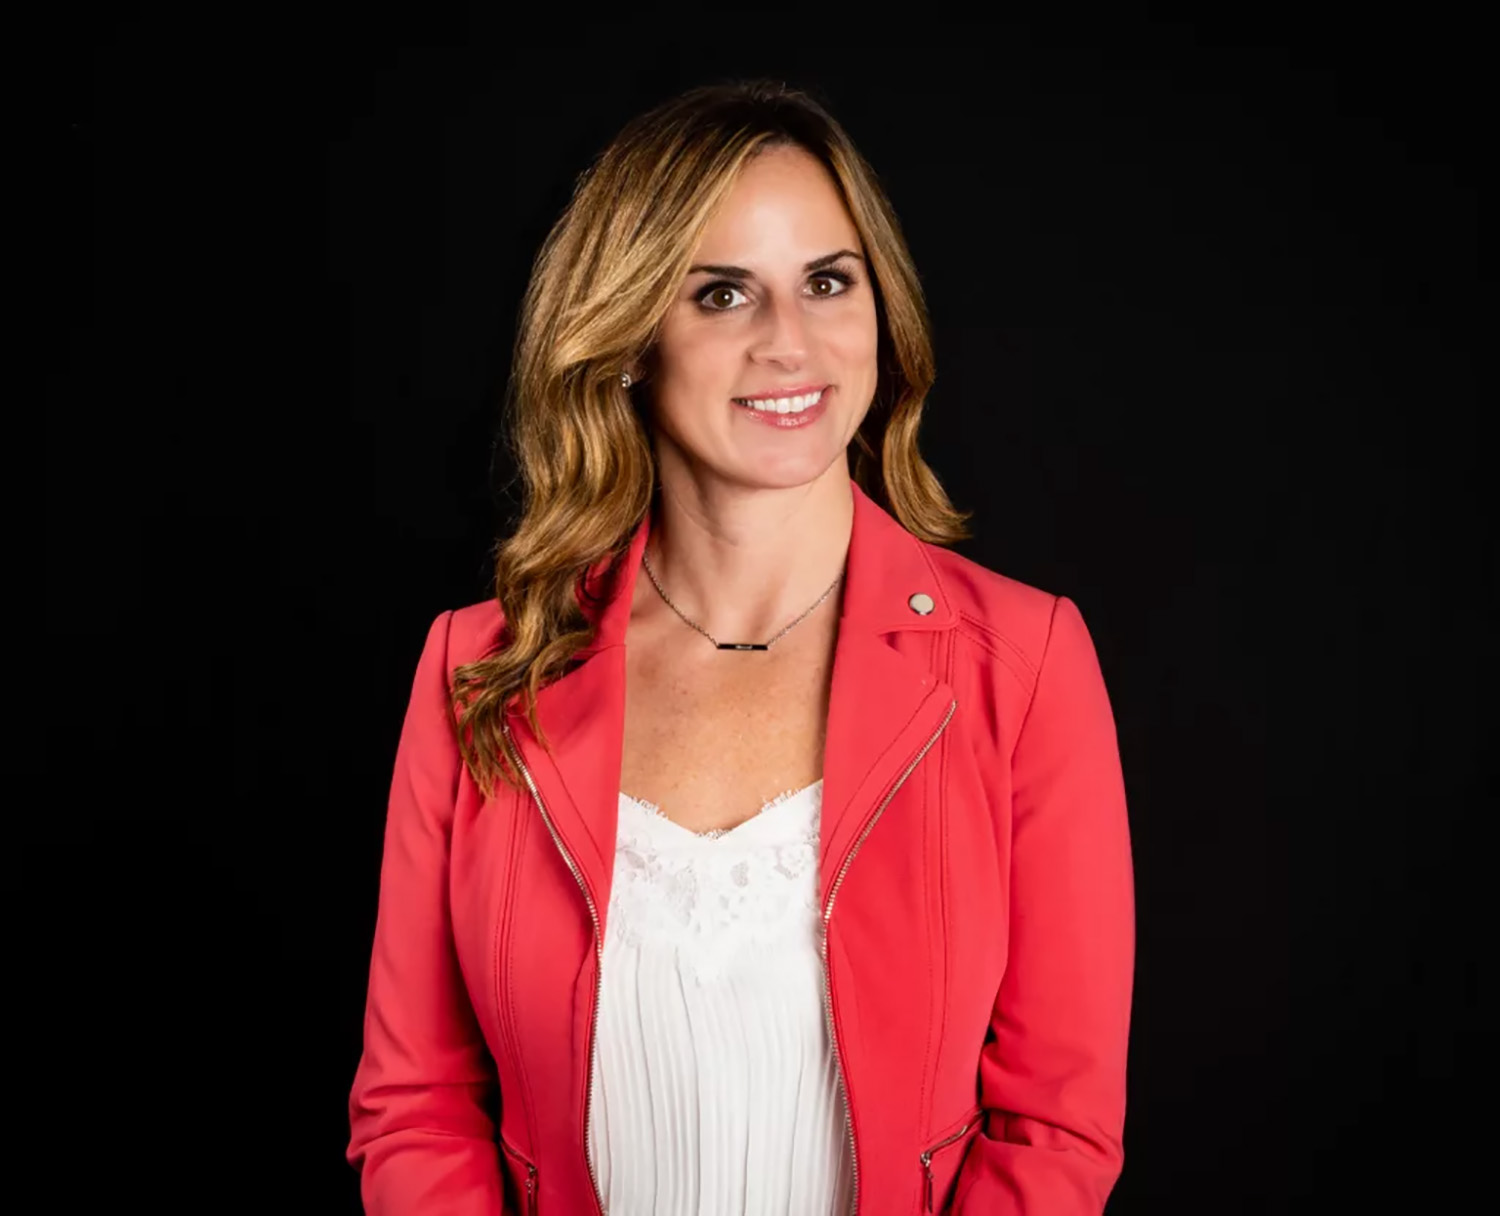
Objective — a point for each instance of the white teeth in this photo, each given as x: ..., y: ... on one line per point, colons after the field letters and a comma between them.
x: 784, y: 405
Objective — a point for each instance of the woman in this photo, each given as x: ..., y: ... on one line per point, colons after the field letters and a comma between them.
x: 715, y: 891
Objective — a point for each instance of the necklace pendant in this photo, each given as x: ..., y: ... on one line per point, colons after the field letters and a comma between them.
x: 742, y: 645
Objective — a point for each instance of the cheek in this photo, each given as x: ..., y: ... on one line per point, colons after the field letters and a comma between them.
x: 693, y: 364
x: 856, y: 341
x: 696, y: 355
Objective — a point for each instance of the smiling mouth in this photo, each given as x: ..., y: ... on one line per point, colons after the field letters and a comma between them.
x: 782, y: 405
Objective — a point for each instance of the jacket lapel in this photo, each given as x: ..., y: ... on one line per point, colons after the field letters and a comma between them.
x: 883, y: 704
x: 883, y: 707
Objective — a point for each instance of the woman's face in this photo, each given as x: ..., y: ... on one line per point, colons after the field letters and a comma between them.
x: 778, y: 304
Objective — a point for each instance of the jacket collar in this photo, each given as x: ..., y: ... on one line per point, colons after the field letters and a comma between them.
x: 883, y: 705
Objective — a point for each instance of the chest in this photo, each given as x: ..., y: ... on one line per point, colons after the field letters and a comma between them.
x: 710, y: 735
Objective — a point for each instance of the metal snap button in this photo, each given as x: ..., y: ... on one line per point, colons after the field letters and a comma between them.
x: 921, y: 602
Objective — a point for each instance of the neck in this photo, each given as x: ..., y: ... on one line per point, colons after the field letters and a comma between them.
x: 744, y: 562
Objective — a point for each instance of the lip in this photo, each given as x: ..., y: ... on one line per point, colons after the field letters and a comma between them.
x: 796, y: 390
x: 787, y: 422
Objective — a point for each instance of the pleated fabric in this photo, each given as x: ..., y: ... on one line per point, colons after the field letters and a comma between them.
x: 715, y: 1087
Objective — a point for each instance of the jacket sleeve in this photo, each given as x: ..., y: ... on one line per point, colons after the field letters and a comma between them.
x: 422, y: 1136
x: 1052, y: 1070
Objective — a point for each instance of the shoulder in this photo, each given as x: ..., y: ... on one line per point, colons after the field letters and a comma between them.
x: 1003, y: 617
x: 1023, y: 630
x: 472, y: 631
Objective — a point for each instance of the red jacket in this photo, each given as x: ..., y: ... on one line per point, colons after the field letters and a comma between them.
x: 975, y: 883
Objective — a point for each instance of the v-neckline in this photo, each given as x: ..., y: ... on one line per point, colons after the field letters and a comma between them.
x: 656, y: 813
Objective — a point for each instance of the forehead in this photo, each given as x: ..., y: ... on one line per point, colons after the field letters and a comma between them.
x: 784, y: 208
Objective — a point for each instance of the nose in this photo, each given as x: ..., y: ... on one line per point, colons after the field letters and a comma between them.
x: 781, y: 337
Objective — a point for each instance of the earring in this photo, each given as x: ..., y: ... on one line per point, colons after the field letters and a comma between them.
x: 625, y: 380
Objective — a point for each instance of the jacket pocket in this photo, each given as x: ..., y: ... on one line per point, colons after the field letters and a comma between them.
x: 522, y: 1175
x: 942, y: 1158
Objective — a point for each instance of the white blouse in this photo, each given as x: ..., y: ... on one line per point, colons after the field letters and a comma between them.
x: 715, y: 1085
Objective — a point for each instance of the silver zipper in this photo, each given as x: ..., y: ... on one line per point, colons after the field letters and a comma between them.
x: 941, y: 1144
x: 833, y: 891
x: 530, y: 1178
x: 598, y: 950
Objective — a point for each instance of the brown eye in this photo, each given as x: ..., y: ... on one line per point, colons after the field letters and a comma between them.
x: 826, y: 285
x: 718, y: 297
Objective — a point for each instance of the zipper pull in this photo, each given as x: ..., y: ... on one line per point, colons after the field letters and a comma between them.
x: 927, y: 1186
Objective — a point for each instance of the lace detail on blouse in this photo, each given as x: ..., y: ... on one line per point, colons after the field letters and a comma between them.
x: 706, y: 894
x: 715, y: 1085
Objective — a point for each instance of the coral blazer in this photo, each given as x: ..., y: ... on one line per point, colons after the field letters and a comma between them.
x: 976, y: 894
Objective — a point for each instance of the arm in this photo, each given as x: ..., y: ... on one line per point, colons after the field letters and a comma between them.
x: 421, y: 1136
x: 1052, y: 1070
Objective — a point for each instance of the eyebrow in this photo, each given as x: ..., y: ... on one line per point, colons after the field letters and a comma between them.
x: 739, y: 272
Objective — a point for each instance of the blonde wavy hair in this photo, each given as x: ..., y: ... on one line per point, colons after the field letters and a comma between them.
x: 600, y: 287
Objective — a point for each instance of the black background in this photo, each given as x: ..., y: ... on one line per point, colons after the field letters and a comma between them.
x: 1205, y: 308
